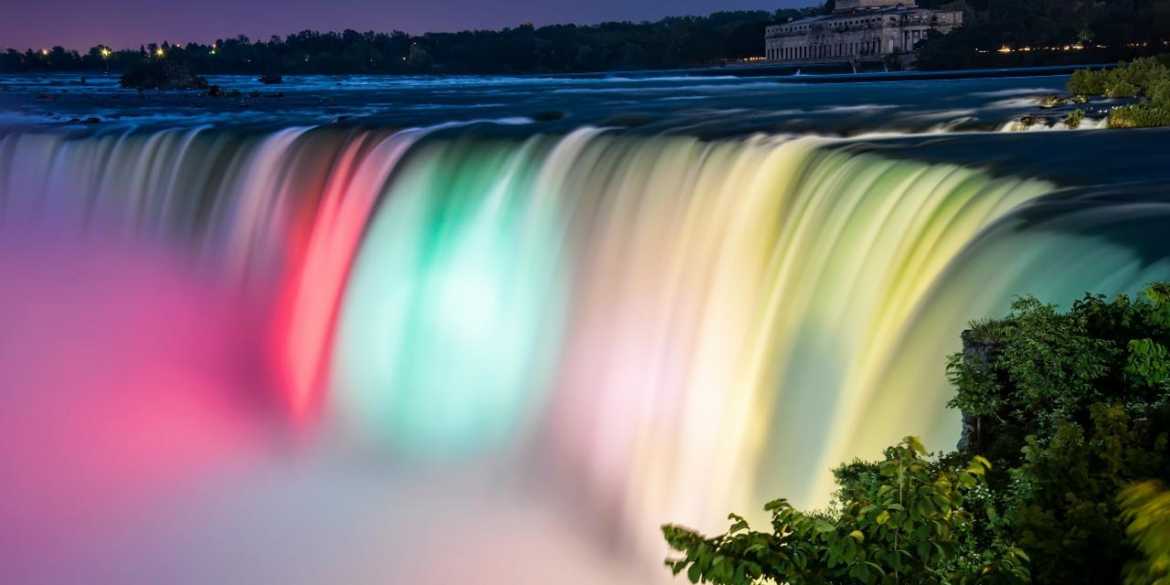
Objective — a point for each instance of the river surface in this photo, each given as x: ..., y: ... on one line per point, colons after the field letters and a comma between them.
x: 710, y: 105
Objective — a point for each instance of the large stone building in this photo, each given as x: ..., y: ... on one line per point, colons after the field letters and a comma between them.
x: 856, y: 31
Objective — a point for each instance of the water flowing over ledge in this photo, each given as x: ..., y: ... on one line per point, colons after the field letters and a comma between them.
x: 650, y: 328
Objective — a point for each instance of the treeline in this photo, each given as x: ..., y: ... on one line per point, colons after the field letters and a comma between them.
x: 1038, y: 31
x: 667, y: 43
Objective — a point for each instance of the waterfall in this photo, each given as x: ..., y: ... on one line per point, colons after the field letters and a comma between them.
x: 658, y: 328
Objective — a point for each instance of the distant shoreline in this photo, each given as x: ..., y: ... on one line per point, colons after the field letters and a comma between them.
x: 778, y: 73
x: 787, y: 73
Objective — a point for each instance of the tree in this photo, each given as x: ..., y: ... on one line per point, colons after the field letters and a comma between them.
x: 1105, y: 31
x: 667, y: 43
x: 1073, y: 406
x: 1074, y: 409
x: 1146, y: 507
x: 905, y: 520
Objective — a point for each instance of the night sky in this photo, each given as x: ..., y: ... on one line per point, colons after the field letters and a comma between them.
x: 80, y: 24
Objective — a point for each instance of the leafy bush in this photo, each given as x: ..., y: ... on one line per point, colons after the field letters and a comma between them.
x: 903, y: 520
x: 1137, y: 78
x: 1074, y: 409
x: 1146, y: 507
x: 1121, y: 88
x: 1140, y: 74
x: 1139, y: 116
x: 1087, y: 82
x: 1160, y: 93
x: 1148, y: 78
x: 1074, y: 118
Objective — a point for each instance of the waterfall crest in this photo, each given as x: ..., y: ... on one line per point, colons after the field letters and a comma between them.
x: 676, y: 328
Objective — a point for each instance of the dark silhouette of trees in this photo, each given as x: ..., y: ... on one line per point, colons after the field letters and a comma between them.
x: 667, y: 43
x: 1103, y: 31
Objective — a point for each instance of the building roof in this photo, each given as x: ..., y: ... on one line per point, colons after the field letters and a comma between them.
x: 900, y: 7
x: 851, y: 5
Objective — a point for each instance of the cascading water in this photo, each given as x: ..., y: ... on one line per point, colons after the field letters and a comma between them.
x: 652, y: 329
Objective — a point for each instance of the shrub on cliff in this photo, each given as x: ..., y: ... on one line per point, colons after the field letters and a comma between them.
x: 1072, y: 408
x: 907, y: 519
x: 1146, y: 506
x: 1160, y: 93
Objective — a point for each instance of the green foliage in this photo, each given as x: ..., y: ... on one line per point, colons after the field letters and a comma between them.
x: 1138, y: 78
x: 1148, y: 79
x: 906, y: 519
x: 1086, y: 82
x: 1122, y: 89
x: 1048, y: 357
x: 1146, y: 507
x: 1160, y: 93
x: 1074, y: 118
x: 1139, y: 116
x: 1141, y: 74
x: 1073, y: 407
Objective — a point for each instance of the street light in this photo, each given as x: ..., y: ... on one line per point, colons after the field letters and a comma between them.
x: 105, y: 53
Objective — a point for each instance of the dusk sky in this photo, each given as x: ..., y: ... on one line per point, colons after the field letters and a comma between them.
x: 79, y: 24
